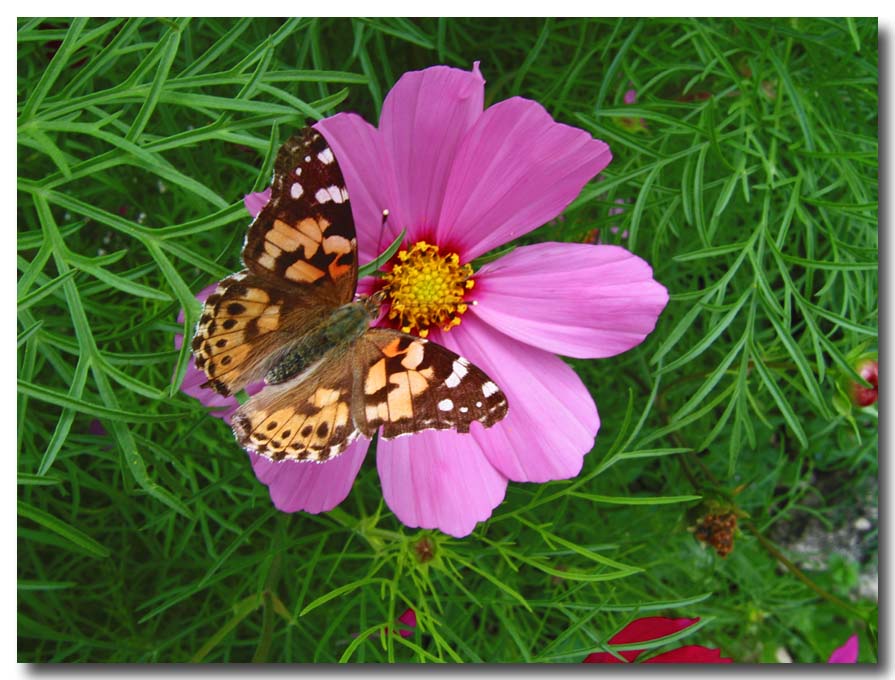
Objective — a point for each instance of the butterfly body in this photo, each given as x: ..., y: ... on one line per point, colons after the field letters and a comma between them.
x: 334, y: 336
x: 290, y: 318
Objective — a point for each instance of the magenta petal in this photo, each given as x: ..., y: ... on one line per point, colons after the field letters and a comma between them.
x: 574, y: 299
x: 370, y: 180
x: 515, y: 170
x: 847, y: 653
x: 650, y: 628
x: 690, y: 654
x: 219, y: 405
x: 255, y: 201
x: 640, y: 630
x: 312, y: 487
x: 408, y: 618
x: 552, y: 419
x: 424, y: 118
x: 438, y: 480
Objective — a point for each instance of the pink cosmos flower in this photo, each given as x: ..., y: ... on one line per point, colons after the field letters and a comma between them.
x: 847, y: 653
x: 652, y: 628
x: 462, y: 180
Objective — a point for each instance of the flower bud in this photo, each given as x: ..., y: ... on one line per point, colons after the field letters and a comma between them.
x: 424, y: 549
x: 865, y: 396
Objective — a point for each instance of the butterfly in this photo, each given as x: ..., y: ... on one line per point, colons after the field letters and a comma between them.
x: 291, y: 318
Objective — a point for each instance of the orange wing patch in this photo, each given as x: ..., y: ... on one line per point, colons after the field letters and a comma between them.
x: 411, y: 385
x: 233, y: 319
x: 305, y: 234
x: 298, y: 421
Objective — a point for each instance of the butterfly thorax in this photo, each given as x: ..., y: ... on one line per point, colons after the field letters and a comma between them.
x: 336, y: 333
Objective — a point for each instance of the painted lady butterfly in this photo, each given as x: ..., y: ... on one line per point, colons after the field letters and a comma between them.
x: 290, y: 317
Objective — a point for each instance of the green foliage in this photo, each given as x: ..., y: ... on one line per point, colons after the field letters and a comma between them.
x: 748, y: 179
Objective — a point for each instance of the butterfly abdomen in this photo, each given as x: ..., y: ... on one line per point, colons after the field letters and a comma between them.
x: 336, y: 333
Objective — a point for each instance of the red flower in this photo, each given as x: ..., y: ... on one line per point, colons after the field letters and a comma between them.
x: 652, y: 628
x: 408, y: 618
x: 865, y: 396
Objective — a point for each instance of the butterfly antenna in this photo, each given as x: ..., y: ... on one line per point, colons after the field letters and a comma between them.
x: 385, y: 214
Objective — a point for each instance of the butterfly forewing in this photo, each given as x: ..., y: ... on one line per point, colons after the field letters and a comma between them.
x: 410, y: 384
x: 301, y: 259
x: 245, y: 325
x: 305, y: 234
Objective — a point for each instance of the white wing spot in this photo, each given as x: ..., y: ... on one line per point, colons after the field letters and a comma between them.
x: 490, y: 388
x: 323, y: 196
x: 478, y: 404
x: 460, y: 370
x: 445, y: 405
x: 326, y: 156
x: 344, y: 192
x: 335, y: 194
x: 297, y: 171
x: 296, y: 190
x: 307, y: 159
x: 464, y: 409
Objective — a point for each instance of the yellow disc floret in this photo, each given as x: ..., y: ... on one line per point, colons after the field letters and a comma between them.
x: 426, y: 288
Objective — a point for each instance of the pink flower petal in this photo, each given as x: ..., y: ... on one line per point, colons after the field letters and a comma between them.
x: 630, y: 97
x: 312, y: 487
x: 255, y: 201
x: 515, y: 170
x: 424, y: 118
x: 370, y: 180
x: 439, y: 480
x: 219, y: 406
x: 552, y: 419
x: 574, y: 299
x: 617, y: 211
x: 847, y: 653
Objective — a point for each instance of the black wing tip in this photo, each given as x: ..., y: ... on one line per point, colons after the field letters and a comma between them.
x: 218, y: 386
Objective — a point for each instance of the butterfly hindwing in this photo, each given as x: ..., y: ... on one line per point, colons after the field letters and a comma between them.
x: 307, y: 418
x: 305, y: 234
x: 410, y: 384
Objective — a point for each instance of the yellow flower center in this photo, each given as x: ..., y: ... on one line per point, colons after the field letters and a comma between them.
x: 427, y: 289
